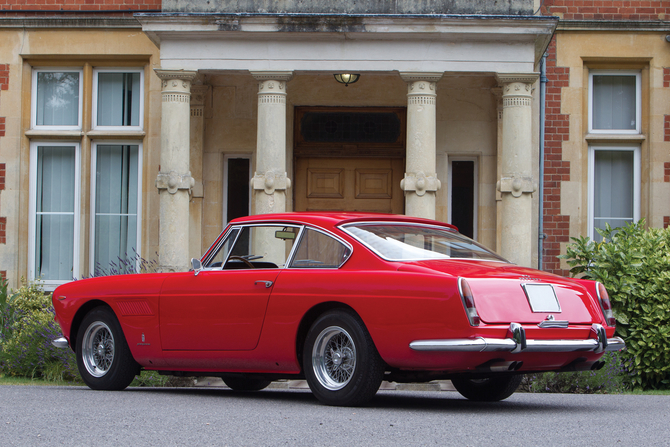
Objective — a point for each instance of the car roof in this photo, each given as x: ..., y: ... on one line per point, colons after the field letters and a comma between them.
x: 335, y: 218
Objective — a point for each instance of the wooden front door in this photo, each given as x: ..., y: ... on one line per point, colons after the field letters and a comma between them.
x: 349, y: 184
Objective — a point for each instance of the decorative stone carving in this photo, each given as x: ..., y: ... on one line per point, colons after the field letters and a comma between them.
x: 270, y: 182
x: 517, y: 185
x: 172, y: 181
x: 420, y: 183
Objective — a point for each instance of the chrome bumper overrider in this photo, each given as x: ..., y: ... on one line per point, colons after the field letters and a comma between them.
x: 61, y: 343
x: 516, y: 342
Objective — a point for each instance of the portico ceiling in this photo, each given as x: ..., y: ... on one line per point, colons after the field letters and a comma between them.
x: 370, y: 43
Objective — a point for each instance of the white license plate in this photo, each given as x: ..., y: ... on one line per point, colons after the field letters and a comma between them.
x: 542, y: 297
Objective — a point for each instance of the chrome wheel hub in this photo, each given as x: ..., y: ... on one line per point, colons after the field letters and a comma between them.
x: 334, y: 358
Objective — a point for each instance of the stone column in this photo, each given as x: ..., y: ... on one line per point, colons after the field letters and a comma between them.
x: 421, y: 182
x: 174, y: 181
x: 270, y: 181
x: 199, y: 92
x: 516, y: 183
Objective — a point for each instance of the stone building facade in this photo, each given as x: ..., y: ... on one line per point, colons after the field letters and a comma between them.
x: 143, y: 127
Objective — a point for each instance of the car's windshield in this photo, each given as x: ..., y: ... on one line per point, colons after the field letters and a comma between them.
x: 408, y: 242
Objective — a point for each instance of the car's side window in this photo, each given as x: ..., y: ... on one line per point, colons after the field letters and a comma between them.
x: 318, y: 250
x: 262, y: 247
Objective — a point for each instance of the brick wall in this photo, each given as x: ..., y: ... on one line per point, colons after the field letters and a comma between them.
x: 642, y: 10
x: 556, y: 170
x: 79, y: 5
x: 666, y: 129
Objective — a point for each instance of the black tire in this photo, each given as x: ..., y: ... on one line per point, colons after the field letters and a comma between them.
x: 340, y: 361
x: 489, y: 389
x: 246, y: 383
x: 103, y: 357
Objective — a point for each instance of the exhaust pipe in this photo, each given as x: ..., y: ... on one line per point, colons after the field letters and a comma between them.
x: 500, y: 366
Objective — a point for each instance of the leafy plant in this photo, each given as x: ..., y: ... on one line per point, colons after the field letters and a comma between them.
x: 28, y: 329
x: 634, y: 266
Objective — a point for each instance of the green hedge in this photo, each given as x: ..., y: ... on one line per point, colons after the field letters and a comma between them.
x: 634, y: 265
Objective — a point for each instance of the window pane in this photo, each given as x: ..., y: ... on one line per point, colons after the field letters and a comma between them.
x: 57, y: 99
x: 614, y: 102
x: 318, y: 250
x: 116, y: 208
x: 119, y: 99
x: 54, y: 220
x: 613, y: 189
x: 263, y: 247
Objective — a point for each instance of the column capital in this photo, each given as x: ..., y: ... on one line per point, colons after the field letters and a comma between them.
x: 272, y: 75
x: 524, y: 78
x: 426, y: 76
x: 183, y: 75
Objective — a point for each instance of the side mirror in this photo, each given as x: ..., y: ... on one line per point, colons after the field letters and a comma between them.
x: 196, y: 265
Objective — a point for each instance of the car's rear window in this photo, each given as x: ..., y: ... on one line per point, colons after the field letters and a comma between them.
x: 408, y: 242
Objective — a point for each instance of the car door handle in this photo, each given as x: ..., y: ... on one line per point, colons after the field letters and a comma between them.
x: 267, y: 284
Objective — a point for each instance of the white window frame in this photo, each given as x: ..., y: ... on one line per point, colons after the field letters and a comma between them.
x: 591, y: 181
x: 94, y: 158
x: 475, y: 192
x: 50, y: 285
x: 94, y: 107
x: 33, y: 99
x: 638, y: 101
x: 224, y: 200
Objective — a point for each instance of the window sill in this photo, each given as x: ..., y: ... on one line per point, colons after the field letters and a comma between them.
x: 614, y: 138
x: 93, y: 134
x: 116, y: 135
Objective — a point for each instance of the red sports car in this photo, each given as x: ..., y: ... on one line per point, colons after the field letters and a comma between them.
x: 344, y: 300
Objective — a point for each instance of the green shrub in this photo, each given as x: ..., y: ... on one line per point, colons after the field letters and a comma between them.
x: 634, y: 266
x: 25, y: 341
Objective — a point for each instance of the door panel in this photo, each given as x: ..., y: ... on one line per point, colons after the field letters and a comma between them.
x: 349, y: 184
x: 216, y: 310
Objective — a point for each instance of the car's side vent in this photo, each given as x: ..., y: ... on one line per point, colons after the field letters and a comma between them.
x: 134, y: 307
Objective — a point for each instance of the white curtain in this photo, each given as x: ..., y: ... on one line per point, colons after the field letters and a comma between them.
x: 116, y: 207
x: 118, y: 99
x: 614, y: 102
x: 54, y: 222
x: 613, y: 189
x: 57, y: 99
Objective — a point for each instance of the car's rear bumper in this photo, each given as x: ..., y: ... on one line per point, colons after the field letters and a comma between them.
x: 516, y: 342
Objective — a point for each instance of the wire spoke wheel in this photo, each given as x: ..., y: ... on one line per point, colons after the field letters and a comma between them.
x: 104, y: 359
x: 334, y: 358
x: 98, y: 349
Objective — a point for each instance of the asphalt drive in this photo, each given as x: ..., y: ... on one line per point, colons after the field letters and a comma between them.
x: 77, y: 416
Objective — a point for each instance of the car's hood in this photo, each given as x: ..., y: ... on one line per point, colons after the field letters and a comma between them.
x: 498, y: 290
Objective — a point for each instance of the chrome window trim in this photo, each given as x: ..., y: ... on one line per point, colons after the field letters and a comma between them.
x: 343, y: 228
x: 240, y: 226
